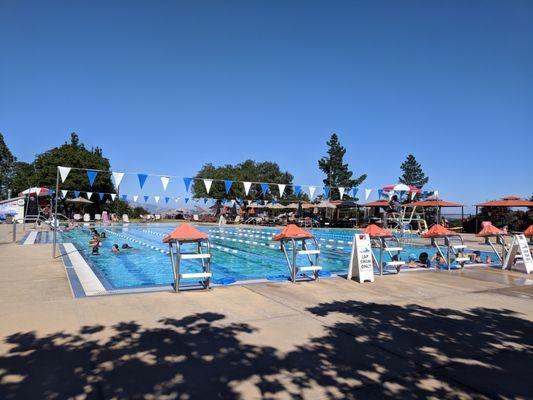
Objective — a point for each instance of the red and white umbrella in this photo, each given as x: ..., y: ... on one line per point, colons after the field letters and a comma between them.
x: 400, y: 187
x: 35, y: 191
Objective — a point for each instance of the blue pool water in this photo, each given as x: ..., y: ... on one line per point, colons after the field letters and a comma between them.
x: 237, y: 253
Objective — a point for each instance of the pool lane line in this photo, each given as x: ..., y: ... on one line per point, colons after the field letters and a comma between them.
x: 139, y: 242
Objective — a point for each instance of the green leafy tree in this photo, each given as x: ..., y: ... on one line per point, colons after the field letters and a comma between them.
x: 24, y: 177
x: 338, y: 173
x: 412, y: 173
x: 6, y: 167
x: 247, y: 171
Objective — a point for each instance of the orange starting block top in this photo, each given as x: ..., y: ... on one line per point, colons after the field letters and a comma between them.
x: 490, y: 230
x: 185, y: 233
x: 438, y: 231
x: 375, y: 231
x: 291, y: 231
x: 529, y: 231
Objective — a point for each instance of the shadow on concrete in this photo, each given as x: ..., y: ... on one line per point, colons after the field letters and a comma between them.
x: 368, y: 351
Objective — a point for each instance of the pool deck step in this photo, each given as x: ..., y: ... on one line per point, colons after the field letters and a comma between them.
x: 89, y: 281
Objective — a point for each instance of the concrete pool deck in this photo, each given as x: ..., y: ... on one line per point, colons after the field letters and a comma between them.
x: 443, y: 334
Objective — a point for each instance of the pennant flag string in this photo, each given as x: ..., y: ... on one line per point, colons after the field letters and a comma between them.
x: 91, y: 174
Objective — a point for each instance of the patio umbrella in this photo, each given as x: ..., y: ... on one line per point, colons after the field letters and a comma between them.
x: 35, y: 191
x: 400, y: 187
x: 325, y: 204
x: 277, y: 206
x: 508, y: 201
x: 529, y: 231
x: 80, y: 200
x: 293, y: 206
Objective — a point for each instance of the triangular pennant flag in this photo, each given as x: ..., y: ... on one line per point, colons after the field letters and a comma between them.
x: 76, y: 193
x: 164, y: 181
x: 142, y: 179
x: 187, y: 182
x: 380, y: 193
x: 281, y: 187
x: 341, y: 192
x: 51, y: 192
x: 63, y: 172
x: 186, y: 200
x: 413, y: 195
x: 167, y: 199
x: 135, y: 198
x: 208, y: 183
x: 117, y: 177
x: 101, y: 195
x: 264, y: 188
x: 436, y: 194
x: 156, y: 198
x: 92, y: 176
x: 124, y: 197
x: 177, y: 199
x: 146, y: 198
x: 64, y: 193
x: 312, y: 191
x: 113, y: 195
x: 367, y: 193
x: 424, y: 195
x: 205, y: 201
x: 228, y: 185
x: 247, y: 186
x: 297, y: 190
x: 354, y: 192
x: 89, y: 194
x: 326, y: 191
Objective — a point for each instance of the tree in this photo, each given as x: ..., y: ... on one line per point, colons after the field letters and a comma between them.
x: 23, y: 177
x: 6, y: 167
x: 337, y: 172
x: 412, y: 173
x: 247, y: 171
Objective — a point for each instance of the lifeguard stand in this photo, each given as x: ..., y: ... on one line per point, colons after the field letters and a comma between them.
x: 451, y: 240
x: 298, y: 239
x: 489, y: 232
x: 187, y: 234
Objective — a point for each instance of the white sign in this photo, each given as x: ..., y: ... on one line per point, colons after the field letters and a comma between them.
x: 519, y: 245
x: 361, y: 265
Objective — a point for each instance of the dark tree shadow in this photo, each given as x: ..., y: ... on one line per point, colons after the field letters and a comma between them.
x: 368, y: 351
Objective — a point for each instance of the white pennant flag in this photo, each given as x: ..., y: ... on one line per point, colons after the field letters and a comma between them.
x: 281, y: 188
x: 207, y: 183
x: 165, y: 180
x: 89, y: 194
x: 64, y: 171
x: 113, y: 195
x: 341, y: 192
x: 64, y: 193
x: 367, y: 193
x: 156, y: 198
x: 117, y: 177
x: 177, y: 199
x: 436, y: 194
x: 247, y: 186
x: 413, y: 194
x: 312, y: 191
x: 135, y: 197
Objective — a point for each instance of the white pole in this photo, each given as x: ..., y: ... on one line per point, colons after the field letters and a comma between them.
x: 55, y: 222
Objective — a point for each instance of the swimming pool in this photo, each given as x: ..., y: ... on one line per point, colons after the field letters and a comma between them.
x: 238, y: 254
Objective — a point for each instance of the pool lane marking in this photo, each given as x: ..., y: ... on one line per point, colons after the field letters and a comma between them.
x: 89, y: 281
x: 139, y: 242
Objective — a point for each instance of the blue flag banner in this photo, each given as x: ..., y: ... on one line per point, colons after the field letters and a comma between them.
x: 424, y: 195
x: 186, y: 200
x: 124, y: 197
x: 142, y: 179
x: 76, y: 193
x: 354, y: 192
x: 167, y: 199
x: 51, y: 192
x: 146, y: 198
x: 326, y: 191
x: 264, y: 188
x: 101, y: 195
x: 205, y: 201
x: 228, y: 185
x: 297, y: 190
x: 92, y: 176
x: 187, y: 182
x: 380, y: 193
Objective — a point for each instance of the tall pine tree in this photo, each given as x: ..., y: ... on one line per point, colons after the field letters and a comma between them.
x: 7, y: 161
x: 412, y: 173
x: 337, y: 172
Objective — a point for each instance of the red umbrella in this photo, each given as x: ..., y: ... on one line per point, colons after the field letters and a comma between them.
x: 291, y: 231
x: 529, y: 231
x: 438, y: 231
x: 185, y: 232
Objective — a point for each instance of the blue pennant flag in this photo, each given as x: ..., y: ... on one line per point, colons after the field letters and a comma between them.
x: 146, y: 199
x: 205, y: 201
x: 228, y: 185
x: 187, y: 182
x: 402, y: 193
x: 326, y: 191
x: 142, y: 179
x: 76, y: 193
x: 92, y: 176
x: 186, y: 200
x: 101, y: 195
x: 297, y: 190
x: 264, y: 188
x: 354, y: 192
x: 167, y: 199
x: 380, y: 193
x: 424, y: 195
x: 124, y: 197
x: 274, y: 201
x: 51, y: 192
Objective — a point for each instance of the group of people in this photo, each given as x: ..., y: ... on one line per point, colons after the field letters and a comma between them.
x: 96, y: 241
x: 438, y: 260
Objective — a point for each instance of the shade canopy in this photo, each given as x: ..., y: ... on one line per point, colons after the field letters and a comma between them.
x: 432, y: 203
x: 490, y: 230
x: 185, y: 233
x: 293, y: 206
x: 291, y: 231
x: 509, y: 201
x: 276, y: 206
x: 375, y: 231
x: 80, y: 200
x: 379, y: 203
x: 400, y: 187
x: 529, y: 231
x: 35, y: 191
x: 325, y: 204
x: 438, y: 231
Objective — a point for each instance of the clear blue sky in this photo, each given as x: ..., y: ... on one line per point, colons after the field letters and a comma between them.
x: 165, y: 86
